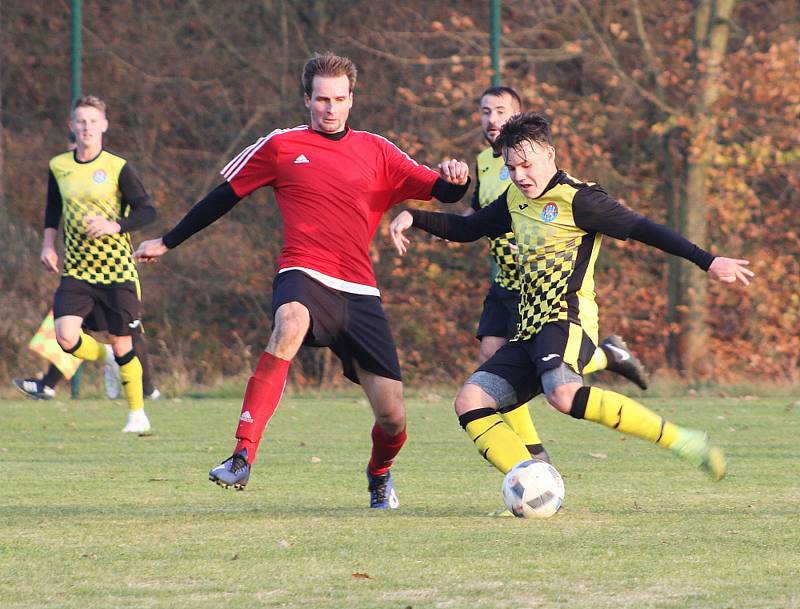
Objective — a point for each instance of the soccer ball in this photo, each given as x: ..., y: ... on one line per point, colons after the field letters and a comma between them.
x: 533, y: 489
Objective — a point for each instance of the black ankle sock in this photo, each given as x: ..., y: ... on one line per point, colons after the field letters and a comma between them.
x: 52, y: 377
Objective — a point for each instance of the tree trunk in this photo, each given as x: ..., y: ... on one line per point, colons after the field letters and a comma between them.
x: 673, y: 197
x: 689, y: 284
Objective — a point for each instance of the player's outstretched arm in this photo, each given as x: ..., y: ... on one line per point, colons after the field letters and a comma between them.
x: 453, y: 227
x: 730, y: 270
x: 726, y: 270
x: 594, y: 210
x: 491, y: 221
x: 208, y: 210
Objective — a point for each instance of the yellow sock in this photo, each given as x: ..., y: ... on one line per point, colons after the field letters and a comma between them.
x: 599, y: 361
x: 495, y: 440
x: 623, y: 414
x: 90, y: 350
x: 521, y: 422
x: 130, y: 373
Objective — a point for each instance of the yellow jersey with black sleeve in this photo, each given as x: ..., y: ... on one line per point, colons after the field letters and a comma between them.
x: 105, y: 186
x: 493, y: 181
x: 558, y: 237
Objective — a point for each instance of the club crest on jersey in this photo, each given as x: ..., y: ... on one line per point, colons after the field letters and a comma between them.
x: 504, y: 173
x: 550, y: 212
x: 99, y: 176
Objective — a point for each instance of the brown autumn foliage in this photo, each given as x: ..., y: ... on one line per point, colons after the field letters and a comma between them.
x: 189, y: 85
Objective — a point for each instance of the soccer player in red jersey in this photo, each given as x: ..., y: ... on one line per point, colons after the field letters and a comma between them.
x: 332, y: 184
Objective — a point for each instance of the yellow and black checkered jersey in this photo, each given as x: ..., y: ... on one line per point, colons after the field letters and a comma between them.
x: 106, y: 186
x: 558, y: 236
x: 493, y: 181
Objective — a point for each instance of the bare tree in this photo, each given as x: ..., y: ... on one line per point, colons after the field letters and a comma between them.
x: 712, y: 23
x: 635, y: 90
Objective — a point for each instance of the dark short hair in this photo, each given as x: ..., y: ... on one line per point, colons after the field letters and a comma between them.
x: 328, y: 64
x: 501, y: 90
x: 525, y: 127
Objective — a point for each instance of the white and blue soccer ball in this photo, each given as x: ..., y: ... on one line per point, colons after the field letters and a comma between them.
x: 533, y: 489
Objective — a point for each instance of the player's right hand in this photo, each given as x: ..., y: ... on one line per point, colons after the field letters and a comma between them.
x: 49, y: 259
x: 397, y: 228
x: 454, y: 171
x: 149, y: 251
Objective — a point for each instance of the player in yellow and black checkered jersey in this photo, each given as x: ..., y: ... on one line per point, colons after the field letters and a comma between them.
x: 102, y: 199
x: 500, y: 316
x: 558, y: 223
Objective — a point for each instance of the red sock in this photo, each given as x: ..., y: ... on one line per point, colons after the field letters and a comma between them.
x: 384, y: 450
x: 264, y: 391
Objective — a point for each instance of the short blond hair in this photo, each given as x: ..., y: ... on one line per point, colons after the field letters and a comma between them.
x: 328, y: 64
x: 89, y: 101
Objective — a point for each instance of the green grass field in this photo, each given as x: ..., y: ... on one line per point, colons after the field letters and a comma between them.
x: 93, y: 518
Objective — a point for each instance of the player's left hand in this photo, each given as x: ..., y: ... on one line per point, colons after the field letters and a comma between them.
x: 98, y: 226
x: 730, y: 270
x: 454, y: 171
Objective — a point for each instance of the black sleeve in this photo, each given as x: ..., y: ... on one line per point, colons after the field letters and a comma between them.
x: 475, y: 204
x: 491, y: 221
x: 596, y: 212
x: 135, y: 197
x: 447, y: 192
x: 670, y: 241
x: 52, y: 211
x: 211, y: 208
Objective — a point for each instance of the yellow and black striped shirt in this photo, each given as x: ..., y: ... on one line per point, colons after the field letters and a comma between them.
x: 493, y: 181
x: 106, y: 186
x: 558, y: 236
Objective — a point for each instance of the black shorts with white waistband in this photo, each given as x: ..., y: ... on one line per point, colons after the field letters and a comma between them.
x: 353, y: 326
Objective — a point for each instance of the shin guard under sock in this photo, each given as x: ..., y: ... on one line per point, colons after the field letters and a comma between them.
x: 130, y: 375
x: 494, y: 439
x: 264, y: 391
x: 519, y: 419
x: 384, y: 450
x: 87, y: 348
x: 619, y: 412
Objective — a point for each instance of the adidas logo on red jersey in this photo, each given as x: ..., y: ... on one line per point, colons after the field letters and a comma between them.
x: 301, y: 159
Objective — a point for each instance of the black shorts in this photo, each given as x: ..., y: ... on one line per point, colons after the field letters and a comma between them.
x: 522, y: 363
x: 112, y: 308
x: 354, y: 326
x: 500, y: 315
